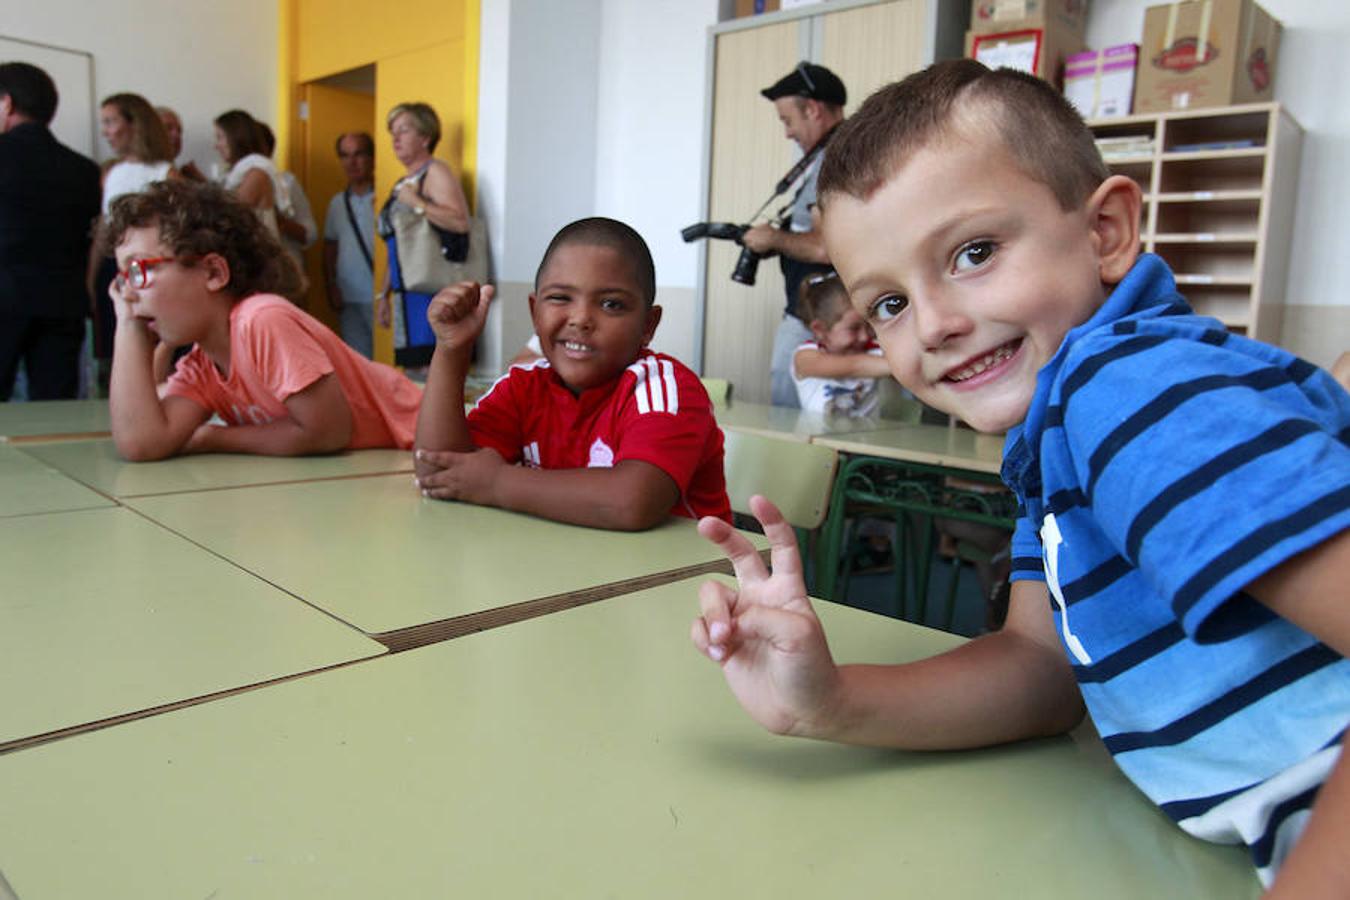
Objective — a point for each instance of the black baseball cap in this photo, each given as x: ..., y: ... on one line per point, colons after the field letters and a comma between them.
x: 810, y: 81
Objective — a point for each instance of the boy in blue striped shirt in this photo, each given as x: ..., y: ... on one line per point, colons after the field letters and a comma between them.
x: 1182, y: 557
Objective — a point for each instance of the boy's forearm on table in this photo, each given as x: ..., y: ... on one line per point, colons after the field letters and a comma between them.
x: 284, y: 437
x: 993, y: 690
x: 1007, y: 686
x: 615, y: 499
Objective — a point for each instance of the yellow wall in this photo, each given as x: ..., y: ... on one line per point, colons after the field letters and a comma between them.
x: 423, y: 50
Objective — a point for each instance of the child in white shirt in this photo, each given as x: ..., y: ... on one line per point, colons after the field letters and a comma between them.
x: 838, y: 371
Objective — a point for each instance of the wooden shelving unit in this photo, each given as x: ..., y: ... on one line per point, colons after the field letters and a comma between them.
x: 1219, y: 189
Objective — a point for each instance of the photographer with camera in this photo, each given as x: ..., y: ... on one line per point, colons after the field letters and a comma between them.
x: 810, y: 103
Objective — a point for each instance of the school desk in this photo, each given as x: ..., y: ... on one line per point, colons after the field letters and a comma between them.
x: 959, y: 449
x: 590, y: 753
x: 30, y: 486
x: 106, y: 614
x: 97, y: 464
x: 54, y: 420
x: 407, y: 570
x: 786, y: 423
x: 905, y: 473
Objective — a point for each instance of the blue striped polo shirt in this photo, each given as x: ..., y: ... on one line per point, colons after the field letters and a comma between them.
x: 1163, y: 465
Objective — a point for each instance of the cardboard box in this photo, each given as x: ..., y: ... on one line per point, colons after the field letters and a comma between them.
x: 1201, y: 53
x: 1100, y: 83
x: 754, y: 7
x: 1040, y: 51
x: 995, y: 16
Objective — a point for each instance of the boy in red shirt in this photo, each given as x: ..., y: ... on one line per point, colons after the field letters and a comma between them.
x: 196, y: 267
x: 601, y: 432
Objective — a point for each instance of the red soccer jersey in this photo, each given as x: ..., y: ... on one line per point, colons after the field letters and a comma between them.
x: 656, y: 411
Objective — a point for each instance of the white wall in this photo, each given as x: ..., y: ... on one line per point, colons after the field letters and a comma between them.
x: 200, y: 58
x: 651, y: 137
x: 1313, y: 69
x: 593, y: 107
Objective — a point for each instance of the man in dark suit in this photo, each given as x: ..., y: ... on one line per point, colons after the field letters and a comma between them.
x: 49, y: 199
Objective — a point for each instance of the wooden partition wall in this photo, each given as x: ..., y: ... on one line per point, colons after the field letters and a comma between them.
x: 867, y: 44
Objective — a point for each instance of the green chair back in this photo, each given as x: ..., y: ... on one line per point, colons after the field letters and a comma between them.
x: 796, y: 476
x: 719, y: 391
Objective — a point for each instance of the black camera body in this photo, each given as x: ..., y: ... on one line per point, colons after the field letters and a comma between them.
x: 747, y: 264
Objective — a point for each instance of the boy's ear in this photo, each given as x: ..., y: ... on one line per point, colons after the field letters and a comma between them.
x: 649, y: 328
x: 819, y: 329
x: 217, y: 270
x: 1114, y: 218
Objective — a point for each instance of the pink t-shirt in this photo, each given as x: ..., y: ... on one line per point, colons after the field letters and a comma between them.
x: 277, y: 350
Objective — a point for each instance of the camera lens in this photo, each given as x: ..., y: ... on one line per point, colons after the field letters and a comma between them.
x: 747, y: 265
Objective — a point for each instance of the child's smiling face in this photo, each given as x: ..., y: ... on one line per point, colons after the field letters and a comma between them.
x: 970, y: 273
x: 590, y: 314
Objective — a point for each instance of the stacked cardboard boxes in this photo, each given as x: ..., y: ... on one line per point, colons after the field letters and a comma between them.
x: 1035, y: 36
x: 1100, y: 83
x: 1201, y: 53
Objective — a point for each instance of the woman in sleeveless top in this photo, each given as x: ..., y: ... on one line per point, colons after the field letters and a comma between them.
x: 252, y: 177
x: 429, y: 188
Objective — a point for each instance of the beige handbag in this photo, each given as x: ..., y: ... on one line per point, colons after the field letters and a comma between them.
x: 430, y: 258
x: 422, y: 260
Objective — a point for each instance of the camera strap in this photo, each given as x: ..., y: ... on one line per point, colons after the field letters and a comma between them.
x: 804, y: 163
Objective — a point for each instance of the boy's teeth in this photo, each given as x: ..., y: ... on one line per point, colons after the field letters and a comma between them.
x: 983, y: 363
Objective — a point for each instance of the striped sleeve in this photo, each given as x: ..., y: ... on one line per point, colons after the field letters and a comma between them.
x: 1026, y: 552
x: 669, y: 422
x: 1209, y: 471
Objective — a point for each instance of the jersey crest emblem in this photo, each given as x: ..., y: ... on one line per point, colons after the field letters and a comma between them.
x: 602, y: 457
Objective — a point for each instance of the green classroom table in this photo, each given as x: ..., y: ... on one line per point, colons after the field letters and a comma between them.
x: 97, y: 464
x: 407, y: 570
x: 106, y: 615
x: 586, y: 754
x: 29, y: 486
x: 785, y: 423
x: 54, y: 420
x: 935, y: 445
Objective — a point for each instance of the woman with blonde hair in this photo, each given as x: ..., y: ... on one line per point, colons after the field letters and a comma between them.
x: 429, y: 189
x: 143, y: 155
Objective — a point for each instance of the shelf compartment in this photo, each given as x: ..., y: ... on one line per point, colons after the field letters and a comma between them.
x: 1209, y: 196
x: 1207, y: 238
x: 1221, y: 153
x: 1218, y: 261
x: 1226, y: 128
x: 1213, y: 280
x: 1223, y: 220
x: 1194, y: 172
x: 1231, y: 305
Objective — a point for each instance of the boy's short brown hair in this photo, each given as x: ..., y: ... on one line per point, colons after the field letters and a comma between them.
x: 623, y: 239
x: 1042, y: 131
x: 195, y: 219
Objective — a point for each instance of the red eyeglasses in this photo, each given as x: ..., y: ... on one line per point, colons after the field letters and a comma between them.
x: 137, y: 273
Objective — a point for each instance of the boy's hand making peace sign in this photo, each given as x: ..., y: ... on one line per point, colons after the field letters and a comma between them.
x: 765, y: 634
